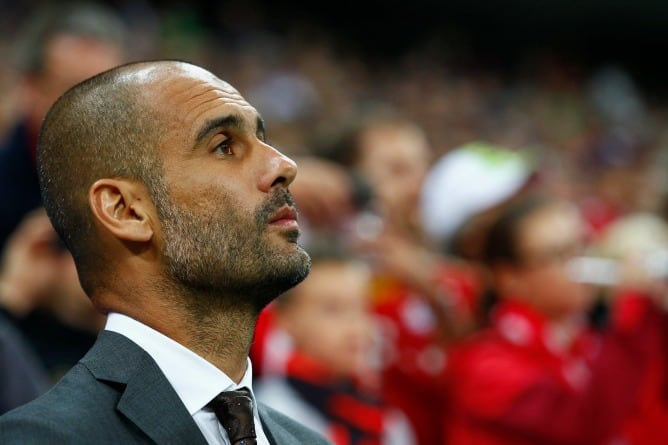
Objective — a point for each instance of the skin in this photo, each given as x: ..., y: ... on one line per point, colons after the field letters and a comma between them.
x: 328, y: 317
x: 31, y: 268
x: 323, y: 192
x: 395, y: 159
x: 548, y: 238
x: 194, y: 280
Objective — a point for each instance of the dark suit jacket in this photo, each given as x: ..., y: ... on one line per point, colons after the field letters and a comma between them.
x: 116, y: 395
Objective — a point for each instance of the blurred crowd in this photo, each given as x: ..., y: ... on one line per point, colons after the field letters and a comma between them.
x: 490, y: 251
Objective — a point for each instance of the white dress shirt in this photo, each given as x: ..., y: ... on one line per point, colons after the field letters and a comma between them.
x: 195, y: 380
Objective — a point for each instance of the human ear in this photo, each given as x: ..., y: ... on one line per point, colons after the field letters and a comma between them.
x: 122, y: 207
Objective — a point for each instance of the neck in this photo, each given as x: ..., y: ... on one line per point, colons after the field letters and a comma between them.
x: 221, y: 333
x: 223, y: 337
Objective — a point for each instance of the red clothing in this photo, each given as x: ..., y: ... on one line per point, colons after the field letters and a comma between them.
x: 648, y: 423
x: 355, y: 415
x: 598, y: 214
x: 513, y: 385
x: 413, y: 359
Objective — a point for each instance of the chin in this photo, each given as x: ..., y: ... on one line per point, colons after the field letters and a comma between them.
x: 292, y: 236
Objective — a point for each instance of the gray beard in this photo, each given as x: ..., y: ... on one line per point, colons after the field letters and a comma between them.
x: 223, y: 258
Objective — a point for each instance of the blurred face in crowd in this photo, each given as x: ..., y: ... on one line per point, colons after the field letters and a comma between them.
x: 547, y: 238
x: 228, y: 221
x: 68, y: 60
x: 328, y: 318
x: 394, y: 158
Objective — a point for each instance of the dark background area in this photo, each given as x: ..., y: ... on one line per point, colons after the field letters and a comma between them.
x: 500, y: 35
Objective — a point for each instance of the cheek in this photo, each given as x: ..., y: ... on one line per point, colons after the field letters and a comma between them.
x: 581, y: 297
x: 396, y: 195
x: 559, y: 292
x: 205, y: 179
x: 326, y: 330
x: 216, y: 201
x: 318, y: 339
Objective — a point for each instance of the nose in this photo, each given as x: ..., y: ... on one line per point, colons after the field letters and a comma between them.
x: 280, y: 170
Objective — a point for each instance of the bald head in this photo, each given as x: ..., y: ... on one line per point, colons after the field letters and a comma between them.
x: 108, y: 126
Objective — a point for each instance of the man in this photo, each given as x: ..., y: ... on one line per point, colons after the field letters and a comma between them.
x: 158, y: 178
x: 538, y: 375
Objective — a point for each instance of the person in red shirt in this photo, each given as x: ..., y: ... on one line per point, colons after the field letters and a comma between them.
x: 538, y: 375
x: 327, y: 378
x: 640, y: 241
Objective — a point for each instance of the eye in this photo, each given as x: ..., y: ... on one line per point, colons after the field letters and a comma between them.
x: 224, y: 147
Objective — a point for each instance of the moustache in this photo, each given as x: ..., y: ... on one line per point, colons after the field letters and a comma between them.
x: 277, y: 200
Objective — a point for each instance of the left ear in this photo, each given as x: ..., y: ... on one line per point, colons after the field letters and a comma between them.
x: 123, y: 207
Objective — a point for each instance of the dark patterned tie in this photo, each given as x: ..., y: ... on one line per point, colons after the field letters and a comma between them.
x: 234, y: 410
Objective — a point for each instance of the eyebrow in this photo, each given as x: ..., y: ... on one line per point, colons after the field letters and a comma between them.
x: 260, y: 130
x: 234, y: 122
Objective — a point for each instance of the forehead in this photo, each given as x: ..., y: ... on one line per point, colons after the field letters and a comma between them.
x: 388, y: 142
x: 189, y: 97
x: 332, y: 277
x: 553, y: 224
x: 195, y: 90
x: 77, y: 57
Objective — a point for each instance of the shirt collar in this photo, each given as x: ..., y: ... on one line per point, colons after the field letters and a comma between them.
x: 195, y: 380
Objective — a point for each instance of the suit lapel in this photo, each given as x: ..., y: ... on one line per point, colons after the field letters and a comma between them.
x: 147, y: 400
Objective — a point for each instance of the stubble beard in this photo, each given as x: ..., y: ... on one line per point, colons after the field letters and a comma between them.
x: 225, y: 259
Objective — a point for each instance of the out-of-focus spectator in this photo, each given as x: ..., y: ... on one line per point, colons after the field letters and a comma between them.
x: 463, y: 187
x: 58, y: 46
x: 538, y: 374
x: 637, y: 245
x: 392, y: 154
x: 34, y: 268
x: 327, y: 381
x: 462, y: 195
x: 420, y: 298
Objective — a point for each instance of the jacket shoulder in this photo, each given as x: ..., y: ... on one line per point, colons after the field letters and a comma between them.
x: 286, y: 430
x: 73, y: 411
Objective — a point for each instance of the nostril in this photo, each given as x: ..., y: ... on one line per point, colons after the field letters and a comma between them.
x: 280, y: 180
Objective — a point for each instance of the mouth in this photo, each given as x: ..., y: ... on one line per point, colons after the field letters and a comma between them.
x: 285, y: 217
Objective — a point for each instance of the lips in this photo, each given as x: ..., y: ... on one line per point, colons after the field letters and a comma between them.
x: 285, y: 214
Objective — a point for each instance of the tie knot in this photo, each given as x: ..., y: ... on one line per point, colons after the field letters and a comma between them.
x: 234, y: 410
